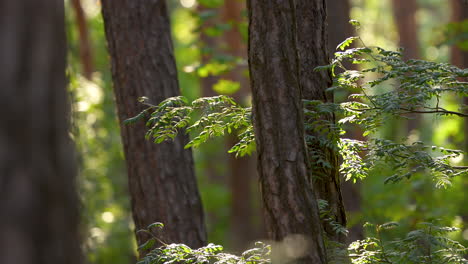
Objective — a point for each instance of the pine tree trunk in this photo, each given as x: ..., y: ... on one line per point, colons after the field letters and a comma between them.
x: 86, y: 55
x: 459, y: 58
x: 39, y: 219
x: 242, y: 169
x: 161, y: 177
x: 290, y: 205
x: 312, y: 49
x: 404, y: 12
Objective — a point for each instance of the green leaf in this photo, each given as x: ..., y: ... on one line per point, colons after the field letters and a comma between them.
x: 156, y: 224
x: 347, y: 42
x: 148, y: 244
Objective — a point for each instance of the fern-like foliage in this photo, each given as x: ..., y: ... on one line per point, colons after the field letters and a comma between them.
x: 418, y: 88
x: 428, y: 244
x: 216, y: 116
x: 180, y: 253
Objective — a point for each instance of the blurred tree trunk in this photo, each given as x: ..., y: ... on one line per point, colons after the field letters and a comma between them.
x: 86, y: 55
x: 404, y: 12
x: 242, y: 169
x: 161, y: 177
x: 459, y: 58
x: 39, y: 216
x: 339, y: 29
x: 275, y: 50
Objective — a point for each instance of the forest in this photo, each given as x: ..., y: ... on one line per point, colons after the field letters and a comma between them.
x: 233, y: 131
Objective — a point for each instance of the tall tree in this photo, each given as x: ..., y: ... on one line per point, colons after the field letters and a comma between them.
x: 459, y: 58
x: 242, y: 169
x: 404, y: 12
x: 38, y: 201
x: 312, y: 48
x: 278, y: 85
x: 86, y: 55
x: 339, y: 29
x: 161, y: 178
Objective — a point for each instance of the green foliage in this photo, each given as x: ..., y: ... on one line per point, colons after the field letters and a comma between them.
x: 419, y: 89
x: 420, y: 85
x: 456, y: 33
x: 427, y: 244
x: 327, y: 215
x: 180, y: 253
x: 218, y: 115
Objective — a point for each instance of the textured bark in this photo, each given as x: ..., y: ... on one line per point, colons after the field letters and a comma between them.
x: 86, y: 55
x: 161, y: 178
x: 38, y: 201
x: 339, y: 29
x: 275, y: 70
x: 312, y: 49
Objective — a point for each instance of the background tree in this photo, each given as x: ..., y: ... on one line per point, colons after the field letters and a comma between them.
x: 161, y: 177
x: 404, y: 15
x: 38, y: 200
x: 274, y: 52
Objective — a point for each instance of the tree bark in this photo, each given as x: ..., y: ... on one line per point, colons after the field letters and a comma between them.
x: 290, y: 205
x: 39, y: 219
x: 161, y: 178
x: 312, y: 49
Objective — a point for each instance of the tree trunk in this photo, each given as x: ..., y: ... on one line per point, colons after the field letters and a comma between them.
x: 459, y: 58
x: 290, y: 205
x: 86, y: 55
x: 404, y: 15
x: 312, y: 49
x: 339, y: 29
x: 242, y: 169
x: 39, y: 216
x: 161, y: 178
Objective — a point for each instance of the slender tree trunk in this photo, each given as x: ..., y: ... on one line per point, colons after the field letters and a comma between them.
x: 242, y: 169
x: 339, y: 29
x: 291, y: 211
x: 404, y: 12
x: 86, y: 55
x: 161, y: 178
x: 38, y: 201
x: 312, y: 49
x: 460, y: 59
